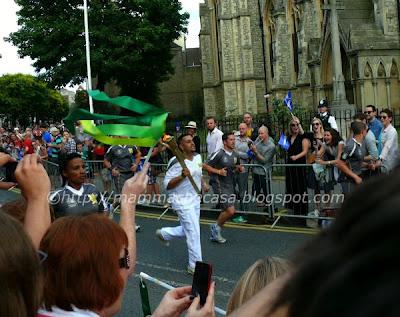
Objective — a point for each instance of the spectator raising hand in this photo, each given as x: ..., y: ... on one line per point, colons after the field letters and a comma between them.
x: 35, y: 187
x: 133, y: 188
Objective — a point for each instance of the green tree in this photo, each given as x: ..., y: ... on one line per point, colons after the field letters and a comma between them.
x: 24, y: 97
x: 129, y: 41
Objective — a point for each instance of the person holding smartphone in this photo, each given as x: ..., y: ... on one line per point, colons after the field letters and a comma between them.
x: 9, y: 163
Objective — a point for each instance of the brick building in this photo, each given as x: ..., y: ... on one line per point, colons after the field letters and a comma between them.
x: 182, y: 94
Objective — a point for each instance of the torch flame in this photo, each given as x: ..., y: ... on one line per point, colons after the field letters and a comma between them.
x: 167, y: 138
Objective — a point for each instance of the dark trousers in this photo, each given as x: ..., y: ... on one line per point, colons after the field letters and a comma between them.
x: 262, y: 184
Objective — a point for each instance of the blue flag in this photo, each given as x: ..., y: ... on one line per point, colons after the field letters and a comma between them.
x: 288, y: 101
x: 284, y: 142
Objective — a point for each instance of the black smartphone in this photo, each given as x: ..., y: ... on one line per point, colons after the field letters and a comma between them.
x: 10, y: 171
x: 201, y: 280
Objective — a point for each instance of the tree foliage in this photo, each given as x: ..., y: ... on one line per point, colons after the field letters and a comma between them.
x: 129, y: 41
x: 23, y: 97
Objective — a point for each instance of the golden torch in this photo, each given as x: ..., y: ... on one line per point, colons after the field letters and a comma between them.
x: 173, y: 146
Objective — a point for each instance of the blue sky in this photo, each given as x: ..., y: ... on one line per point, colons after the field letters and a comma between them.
x: 11, y: 63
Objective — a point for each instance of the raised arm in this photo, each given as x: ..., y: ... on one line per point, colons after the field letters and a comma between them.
x: 35, y: 187
x: 131, y: 191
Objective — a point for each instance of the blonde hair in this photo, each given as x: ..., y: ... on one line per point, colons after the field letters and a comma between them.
x: 321, y: 127
x: 295, y: 120
x: 256, y: 277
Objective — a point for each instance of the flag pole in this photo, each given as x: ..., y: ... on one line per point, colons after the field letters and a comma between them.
x: 89, y: 72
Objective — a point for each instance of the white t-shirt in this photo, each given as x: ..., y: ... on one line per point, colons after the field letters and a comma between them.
x: 184, y: 193
x: 214, y: 141
x: 58, y: 312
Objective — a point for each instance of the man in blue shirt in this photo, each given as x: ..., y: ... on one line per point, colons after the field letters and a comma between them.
x: 373, y: 123
x: 46, y: 136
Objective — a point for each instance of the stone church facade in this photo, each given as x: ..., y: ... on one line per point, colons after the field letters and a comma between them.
x: 251, y: 48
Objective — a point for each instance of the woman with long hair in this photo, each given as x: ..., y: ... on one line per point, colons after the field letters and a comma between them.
x: 296, y: 185
x: 20, y: 276
x: 332, y: 150
x: 256, y: 277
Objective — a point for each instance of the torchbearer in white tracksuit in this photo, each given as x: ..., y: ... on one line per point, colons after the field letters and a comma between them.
x: 185, y: 200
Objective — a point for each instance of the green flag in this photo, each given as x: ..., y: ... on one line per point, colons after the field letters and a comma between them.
x: 143, y: 128
x: 144, y: 297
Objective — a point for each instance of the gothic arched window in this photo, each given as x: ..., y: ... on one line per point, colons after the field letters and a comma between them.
x: 294, y: 23
x: 270, y: 34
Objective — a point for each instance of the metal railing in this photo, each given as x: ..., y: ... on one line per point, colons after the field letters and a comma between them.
x: 276, y: 197
x: 299, y: 189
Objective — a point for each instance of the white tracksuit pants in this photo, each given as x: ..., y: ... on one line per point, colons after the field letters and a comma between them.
x: 189, y: 217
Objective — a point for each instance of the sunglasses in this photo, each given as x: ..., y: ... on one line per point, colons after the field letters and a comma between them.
x: 316, y: 124
x: 368, y: 112
x: 42, y: 256
x: 294, y: 125
x: 384, y: 117
x: 124, y: 262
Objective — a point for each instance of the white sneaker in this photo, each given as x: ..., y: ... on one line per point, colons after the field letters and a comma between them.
x: 137, y: 228
x: 161, y: 238
x: 216, y: 234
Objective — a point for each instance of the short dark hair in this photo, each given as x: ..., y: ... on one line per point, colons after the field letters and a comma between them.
x: 211, y: 117
x: 388, y: 112
x: 68, y: 158
x: 371, y: 106
x: 180, y: 138
x: 226, y: 135
x: 360, y: 116
x: 357, y: 127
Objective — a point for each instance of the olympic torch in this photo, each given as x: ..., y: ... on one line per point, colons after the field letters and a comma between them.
x: 173, y: 146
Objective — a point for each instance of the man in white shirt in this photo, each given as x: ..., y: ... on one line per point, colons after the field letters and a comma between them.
x: 184, y: 200
x: 214, y: 137
x: 389, y: 156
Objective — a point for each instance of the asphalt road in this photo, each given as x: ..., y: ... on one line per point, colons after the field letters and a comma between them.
x: 246, y: 244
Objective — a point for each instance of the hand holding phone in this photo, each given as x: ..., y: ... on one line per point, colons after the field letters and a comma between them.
x: 201, y: 281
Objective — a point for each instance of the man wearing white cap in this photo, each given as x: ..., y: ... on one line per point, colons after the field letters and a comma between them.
x: 191, y: 129
x: 55, y: 145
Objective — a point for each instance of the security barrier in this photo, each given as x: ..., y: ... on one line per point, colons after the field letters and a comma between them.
x: 304, y: 191
x: 280, y: 191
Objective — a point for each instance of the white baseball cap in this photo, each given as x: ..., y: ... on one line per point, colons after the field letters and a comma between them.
x: 192, y: 125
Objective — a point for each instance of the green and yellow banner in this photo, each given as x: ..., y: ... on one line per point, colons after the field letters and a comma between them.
x: 143, y: 128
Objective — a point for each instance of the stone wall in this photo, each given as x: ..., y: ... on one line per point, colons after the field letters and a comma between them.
x: 233, y: 59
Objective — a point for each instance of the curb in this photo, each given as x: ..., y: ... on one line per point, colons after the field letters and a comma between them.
x: 207, y: 213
